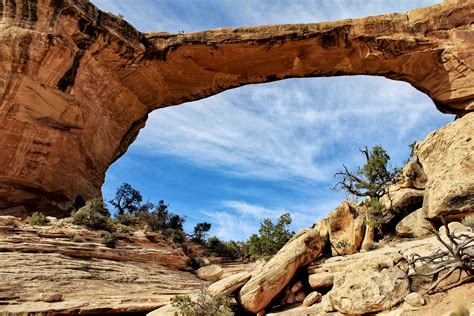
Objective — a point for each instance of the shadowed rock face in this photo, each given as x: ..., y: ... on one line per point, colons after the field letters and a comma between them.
x: 77, y: 84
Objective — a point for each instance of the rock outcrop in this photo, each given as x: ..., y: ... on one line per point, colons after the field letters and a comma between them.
x: 210, y: 273
x: 263, y: 286
x: 65, y: 269
x: 77, y: 84
x: 446, y: 156
x: 414, y: 225
x: 369, y: 287
x: 346, y: 229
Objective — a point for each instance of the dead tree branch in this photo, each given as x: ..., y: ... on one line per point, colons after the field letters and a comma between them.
x: 458, y: 256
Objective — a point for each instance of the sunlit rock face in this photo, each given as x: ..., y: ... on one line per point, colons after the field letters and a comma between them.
x: 77, y: 84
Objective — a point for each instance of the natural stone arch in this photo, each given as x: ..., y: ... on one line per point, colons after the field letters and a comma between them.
x: 77, y: 84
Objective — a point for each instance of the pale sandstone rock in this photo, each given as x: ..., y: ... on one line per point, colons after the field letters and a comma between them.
x: 447, y: 159
x: 414, y: 225
x: 369, y: 286
x: 131, y: 278
x: 321, y: 280
x: 51, y: 297
x: 229, y: 285
x: 202, y: 261
x: 312, y: 298
x: 210, y: 273
x: 414, y: 175
x: 346, y: 229
x: 403, y: 200
x: 302, y: 249
x: 77, y: 84
x: 8, y: 220
x: 414, y: 299
x: 323, y: 229
x: 327, y: 304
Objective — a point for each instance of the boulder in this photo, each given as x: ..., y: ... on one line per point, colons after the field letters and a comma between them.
x: 210, y: 273
x: 275, y: 275
x: 414, y: 299
x: 229, y: 285
x: 323, y: 229
x: 327, y: 304
x: 312, y: 298
x: 321, y: 280
x: 448, y: 161
x: 370, y: 286
x: 50, y: 297
x: 414, y: 175
x: 201, y: 261
x: 346, y: 229
x: 414, y: 225
x: 8, y: 220
x: 403, y: 200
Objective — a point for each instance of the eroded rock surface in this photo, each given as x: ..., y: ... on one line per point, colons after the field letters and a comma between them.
x: 262, y: 287
x: 77, y: 84
x: 346, y: 229
x: 63, y: 268
x: 448, y: 161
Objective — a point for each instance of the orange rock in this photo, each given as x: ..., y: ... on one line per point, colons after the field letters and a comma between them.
x: 77, y: 84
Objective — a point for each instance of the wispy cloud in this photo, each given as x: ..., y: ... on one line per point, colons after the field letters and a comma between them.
x: 297, y: 129
x: 238, y: 219
x: 177, y: 15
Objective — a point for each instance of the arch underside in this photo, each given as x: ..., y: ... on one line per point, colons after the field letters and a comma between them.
x: 77, y: 84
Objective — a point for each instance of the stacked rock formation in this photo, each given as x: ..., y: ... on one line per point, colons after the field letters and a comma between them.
x: 77, y: 84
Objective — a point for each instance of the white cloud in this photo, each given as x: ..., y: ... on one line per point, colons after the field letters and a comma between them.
x: 300, y: 129
x: 177, y: 15
x: 238, y: 219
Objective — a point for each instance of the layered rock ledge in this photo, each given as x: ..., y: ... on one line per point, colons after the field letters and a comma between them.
x: 77, y: 84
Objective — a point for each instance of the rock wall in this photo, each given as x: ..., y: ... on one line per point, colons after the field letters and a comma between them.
x: 77, y: 84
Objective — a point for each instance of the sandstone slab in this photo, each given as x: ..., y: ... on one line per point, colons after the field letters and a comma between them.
x: 230, y: 284
x: 369, y: 287
x: 414, y: 225
x: 262, y: 287
x: 447, y: 159
x: 346, y: 229
x: 210, y: 273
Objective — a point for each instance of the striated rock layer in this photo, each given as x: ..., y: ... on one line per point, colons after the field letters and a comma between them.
x: 77, y: 84
x: 65, y: 269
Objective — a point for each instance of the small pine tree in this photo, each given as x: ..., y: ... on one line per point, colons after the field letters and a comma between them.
x: 271, y: 237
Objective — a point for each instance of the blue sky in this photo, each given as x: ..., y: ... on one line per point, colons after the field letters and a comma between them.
x: 262, y: 150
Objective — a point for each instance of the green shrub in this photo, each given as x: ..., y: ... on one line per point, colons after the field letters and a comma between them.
x: 234, y: 249
x: 271, y: 237
x: 38, y: 218
x: 128, y: 220
x: 204, y: 304
x: 93, y: 215
x: 110, y: 240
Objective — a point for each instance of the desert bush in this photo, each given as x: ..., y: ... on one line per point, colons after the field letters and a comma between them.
x: 38, y: 219
x: 93, y: 215
x: 271, y: 237
x: 128, y: 220
x: 110, y: 240
x: 200, y: 232
x: 204, y: 304
x: 234, y: 249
